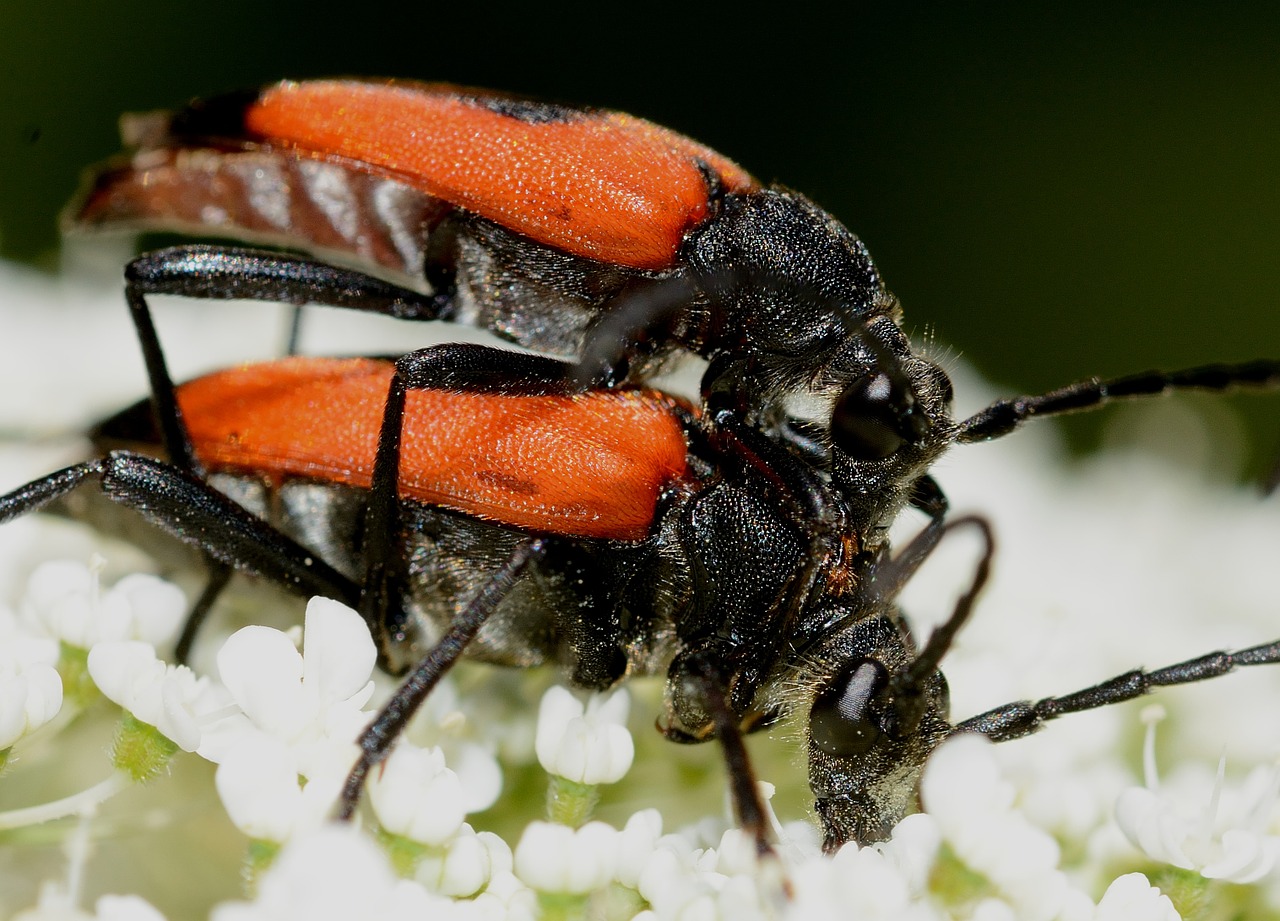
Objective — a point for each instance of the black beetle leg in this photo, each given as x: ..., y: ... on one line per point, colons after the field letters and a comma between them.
x: 195, y: 513
x: 376, y: 741
x: 224, y: 273
x: 751, y: 813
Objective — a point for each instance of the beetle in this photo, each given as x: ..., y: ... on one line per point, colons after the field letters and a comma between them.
x: 758, y: 561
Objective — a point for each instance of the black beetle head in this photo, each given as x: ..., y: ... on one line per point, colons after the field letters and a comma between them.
x: 869, y: 735
x: 889, y: 422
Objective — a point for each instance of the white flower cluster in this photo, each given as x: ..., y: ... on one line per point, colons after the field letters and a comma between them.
x: 280, y: 723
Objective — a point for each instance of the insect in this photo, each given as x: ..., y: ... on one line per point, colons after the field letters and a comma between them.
x: 727, y: 543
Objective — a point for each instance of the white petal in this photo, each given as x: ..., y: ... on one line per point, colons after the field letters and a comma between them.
x: 462, y: 870
x: 556, y: 711
x: 177, y: 720
x: 263, y: 671
x: 334, y: 874
x: 1245, y: 857
x: 480, y: 774
x: 123, y: 670
x: 1132, y: 898
x: 258, y: 784
x: 1148, y: 820
x: 556, y: 858
x: 158, y: 608
x: 588, y: 744
x: 636, y: 843
x: 125, y: 908
x: 338, y: 652
x: 416, y: 795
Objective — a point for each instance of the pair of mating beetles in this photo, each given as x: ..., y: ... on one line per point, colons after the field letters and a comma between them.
x: 547, y: 506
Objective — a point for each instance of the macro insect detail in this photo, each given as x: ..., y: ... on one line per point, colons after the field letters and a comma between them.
x: 555, y: 507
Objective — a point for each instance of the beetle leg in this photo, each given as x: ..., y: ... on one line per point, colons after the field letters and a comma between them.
x: 219, y: 576
x: 195, y: 513
x: 223, y: 273
x: 747, y: 803
x: 376, y: 741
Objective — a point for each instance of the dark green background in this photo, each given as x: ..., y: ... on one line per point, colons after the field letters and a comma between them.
x: 1054, y: 192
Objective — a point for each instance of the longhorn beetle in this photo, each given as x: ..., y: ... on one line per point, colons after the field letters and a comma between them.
x: 728, y: 544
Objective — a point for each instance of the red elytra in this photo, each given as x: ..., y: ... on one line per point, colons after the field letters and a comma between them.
x: 589, y: 465
x: 604, y: 185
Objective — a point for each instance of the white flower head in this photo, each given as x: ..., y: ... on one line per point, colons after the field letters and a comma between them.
x: 64, y: 600
x: 1220, y: 833
x: 264, y: 796
x: 556, y: 858
x: 56, y: 904
x: 314, y: 700
x: 414, y: 794
x: 1132, y: 898
x: 589, y: 743
x: 30, y: 696
x: 973, y: 805
x: 169, y: 697
x: 333, y: 874
x: 466, y: 865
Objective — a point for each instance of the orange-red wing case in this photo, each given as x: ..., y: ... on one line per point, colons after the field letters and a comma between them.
x: 589, y: 465
x: 603, y: 185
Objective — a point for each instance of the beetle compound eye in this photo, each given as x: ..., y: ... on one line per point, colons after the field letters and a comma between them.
x: 839, y: 723
x: 865, y: 422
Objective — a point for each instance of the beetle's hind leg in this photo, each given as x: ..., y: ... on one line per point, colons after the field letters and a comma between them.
x: 194, y: 512
x: 223, y: 273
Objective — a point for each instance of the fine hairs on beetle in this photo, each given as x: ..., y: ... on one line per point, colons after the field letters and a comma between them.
x: 551, y: 506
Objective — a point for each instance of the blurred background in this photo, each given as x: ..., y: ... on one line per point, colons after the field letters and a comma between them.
x: 1053, y: 192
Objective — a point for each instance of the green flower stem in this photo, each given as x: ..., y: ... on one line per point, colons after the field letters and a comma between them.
x: 955, y: 884
x: 258, y: 858
x: 405, y: 853
x: 569, y: 802
x: 140, y: 750
x: 75, y: 804
x: 1189, y: 892
x: 73, y: 667
x: 562, y: 906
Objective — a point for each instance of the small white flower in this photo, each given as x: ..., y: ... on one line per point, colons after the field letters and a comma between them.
x: 636, y: 844
x: 416, y: 795
x: 1132, y: 898
x: 913, y: 849
x: 963, y: 791
x: 313, y: 701
x: 465, y: 866
x: 555, y: 858
x: 125, y: 908
x: 1221, y: 837
x: 169, y: 697
x: 55, y: 904
x: 587, y: 744
x: 334, y: 874
x: 260, y: 788
x: 64, y: 600
x: 21, y: 645
x: 30, y: 696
